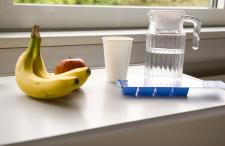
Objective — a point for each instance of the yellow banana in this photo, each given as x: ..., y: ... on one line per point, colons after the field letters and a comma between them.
x: 38, y: 87
x: 40, y: 69
x: 35, y: 81
x: 82, y: 73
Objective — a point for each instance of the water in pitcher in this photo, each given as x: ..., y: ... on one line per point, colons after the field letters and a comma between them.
x: 165, y: 46
x: 164, y: 59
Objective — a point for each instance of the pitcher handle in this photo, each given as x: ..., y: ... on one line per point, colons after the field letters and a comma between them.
x: 196, y: 33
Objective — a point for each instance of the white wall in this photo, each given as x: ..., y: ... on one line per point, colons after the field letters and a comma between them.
x: 208, y: 60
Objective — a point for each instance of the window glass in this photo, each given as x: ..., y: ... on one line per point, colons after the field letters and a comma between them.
x: 117, y: 13
x: 197, y: 3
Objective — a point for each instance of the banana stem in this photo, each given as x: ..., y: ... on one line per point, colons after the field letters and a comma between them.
x: 34, y: 45
x: 35, y: 34
x: 30, y: 51
x: 35, y: 31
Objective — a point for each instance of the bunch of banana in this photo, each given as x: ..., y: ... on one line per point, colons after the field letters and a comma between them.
x: 33, y: 78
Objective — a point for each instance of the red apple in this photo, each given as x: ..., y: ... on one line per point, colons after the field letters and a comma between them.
x: 69, y: 64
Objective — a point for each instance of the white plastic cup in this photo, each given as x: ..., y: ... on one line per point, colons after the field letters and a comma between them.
x: 117, y: 50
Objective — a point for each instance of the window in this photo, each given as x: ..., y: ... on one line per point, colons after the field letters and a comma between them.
x: 14, y: 16
x: 196, y: 3
x: 20, y: 15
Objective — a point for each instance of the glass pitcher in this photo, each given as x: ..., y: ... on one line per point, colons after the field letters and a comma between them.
x: 165, y: 47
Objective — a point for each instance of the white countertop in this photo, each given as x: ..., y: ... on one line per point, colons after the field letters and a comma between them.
x: 96, y: 105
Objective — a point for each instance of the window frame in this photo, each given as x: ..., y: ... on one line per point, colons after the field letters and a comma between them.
x: 23, y: 16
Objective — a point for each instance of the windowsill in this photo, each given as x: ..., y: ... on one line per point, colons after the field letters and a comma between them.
x: 68, y: 38
x: 106, y: 117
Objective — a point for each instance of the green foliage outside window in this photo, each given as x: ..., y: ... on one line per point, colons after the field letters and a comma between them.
x: 121, y: 2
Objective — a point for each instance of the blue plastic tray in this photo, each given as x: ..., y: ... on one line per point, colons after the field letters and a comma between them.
x: 152, y: 91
